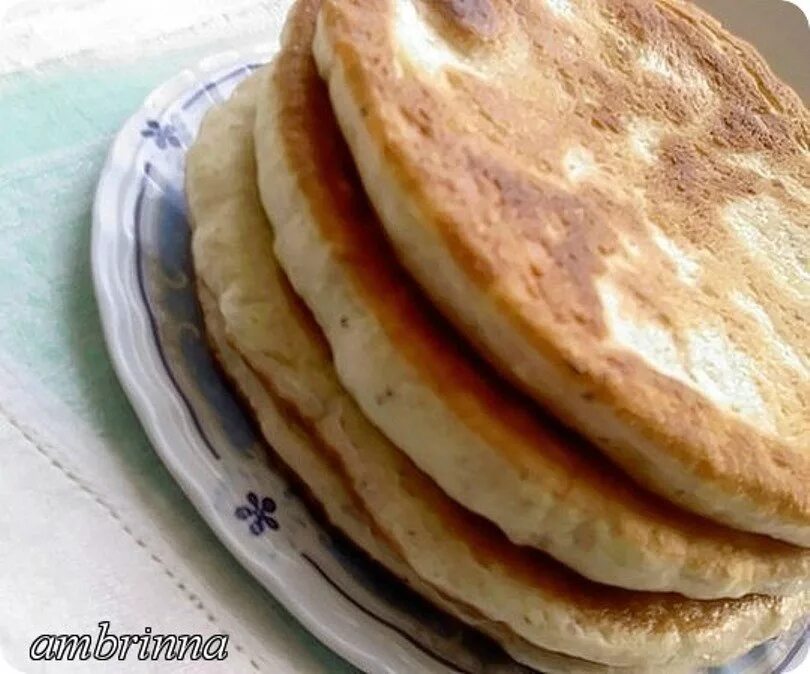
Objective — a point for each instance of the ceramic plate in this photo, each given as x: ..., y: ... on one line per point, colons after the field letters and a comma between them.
x: 144, y: 285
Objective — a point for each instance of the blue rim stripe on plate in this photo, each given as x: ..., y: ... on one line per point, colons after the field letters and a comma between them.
x: 195, y: 96
x: 447, y: 663
x: 153, y: 320
x: 215, y: 83
x: 139, y: 262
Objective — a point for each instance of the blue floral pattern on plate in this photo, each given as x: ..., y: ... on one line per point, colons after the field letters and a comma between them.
x: 260, y: 511
x: 164, y: 136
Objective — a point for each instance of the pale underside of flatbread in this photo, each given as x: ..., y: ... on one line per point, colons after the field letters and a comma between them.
x: 300, y: 454
x: 292, y: 442
x: 450, y: 550
x: 611, y: 200
x: 487, y: 448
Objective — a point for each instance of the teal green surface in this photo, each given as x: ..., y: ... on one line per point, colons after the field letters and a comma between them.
x: 55, y: 128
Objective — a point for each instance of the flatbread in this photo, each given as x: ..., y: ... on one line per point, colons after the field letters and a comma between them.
x: 487, y: 447
x: 341, y: 506
x: 220, y: 193
x: 455, y: 553
x: 611, y: 200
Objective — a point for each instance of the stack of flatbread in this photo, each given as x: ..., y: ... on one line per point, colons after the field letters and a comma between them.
x: 519, y: 290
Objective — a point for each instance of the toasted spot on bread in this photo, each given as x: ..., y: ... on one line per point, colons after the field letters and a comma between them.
x: 421, y: 45
x: 760, y: 223
x: 755, y: 162
x: 561, y: 7
x: 687, y: 267
x: 654, y: 61
x: 652, y: 341
x: 477, y: 18
x: 644, y: 136
x: 785, y: 351
x: 578, y: 163
x: 681, y: 75
x: 708, y: 359
x: 726, y: 374
x: 690, y: 133
x: 630, y: 246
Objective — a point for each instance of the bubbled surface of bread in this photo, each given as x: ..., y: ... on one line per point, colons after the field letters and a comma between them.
x: 317, y: 428
x: 226, y: 217
x: 488, y: 448
x: 611, y: 199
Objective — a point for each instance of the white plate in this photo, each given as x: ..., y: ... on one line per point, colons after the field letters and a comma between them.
x: 144, y: 285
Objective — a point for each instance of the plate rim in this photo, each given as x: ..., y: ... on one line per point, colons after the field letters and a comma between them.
x: 110, y: 286
x: 117, y: 318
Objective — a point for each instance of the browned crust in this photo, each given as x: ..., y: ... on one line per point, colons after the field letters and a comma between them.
x: 535, y: 442
x: 637, y: 611
x: 456, y: 188
x: 618, y: 607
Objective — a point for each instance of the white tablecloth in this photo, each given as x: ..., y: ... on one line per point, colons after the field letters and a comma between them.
x: 91, y: 526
